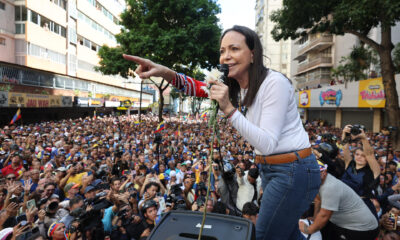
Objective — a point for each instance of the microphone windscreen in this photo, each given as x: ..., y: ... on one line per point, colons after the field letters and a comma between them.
x: 224, y: 68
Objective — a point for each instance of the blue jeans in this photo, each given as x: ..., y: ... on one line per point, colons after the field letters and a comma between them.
x: 288, y: 190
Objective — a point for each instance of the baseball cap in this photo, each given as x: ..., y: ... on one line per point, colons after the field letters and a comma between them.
x: 96, y: 182
x: 61, y: 169
x: 89, y: 188
x: 70, y: 185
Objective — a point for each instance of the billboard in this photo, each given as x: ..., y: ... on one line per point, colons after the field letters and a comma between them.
x: 371, y: 93
x: 304, y: 98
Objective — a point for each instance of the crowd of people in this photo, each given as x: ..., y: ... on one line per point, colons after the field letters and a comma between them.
x: 113, y: 177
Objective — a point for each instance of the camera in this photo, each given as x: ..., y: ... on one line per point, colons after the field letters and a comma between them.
x: 356, y: 129
x: 241, y: 171
x: 52, y: 207
x: 200, y: 201
x: 176, y: 198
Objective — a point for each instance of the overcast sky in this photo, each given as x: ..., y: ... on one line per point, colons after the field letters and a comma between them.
x: 237, y: 12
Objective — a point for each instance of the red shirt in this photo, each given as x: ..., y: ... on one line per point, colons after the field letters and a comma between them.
x: 7, y: 170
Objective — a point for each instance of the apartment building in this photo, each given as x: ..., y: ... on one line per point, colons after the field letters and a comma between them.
x: 316, y: 54
x: 63, y: 37
x: 278, y: 55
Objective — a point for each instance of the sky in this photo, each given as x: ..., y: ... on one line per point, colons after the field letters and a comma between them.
x: 237, y: 12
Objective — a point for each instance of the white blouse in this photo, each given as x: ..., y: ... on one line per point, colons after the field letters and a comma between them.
x: 272, y: 124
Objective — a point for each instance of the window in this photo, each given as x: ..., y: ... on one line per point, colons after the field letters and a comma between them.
x: 86, y: 42
x: 2, y: 6
x: 34, y: 17
x: 24, y: 13
x: 80, y: 40
x: 63, y: 31
x: 2, y: 41
x: 20, y: 28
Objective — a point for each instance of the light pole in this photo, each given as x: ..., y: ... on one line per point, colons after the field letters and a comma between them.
x: 140, y: 101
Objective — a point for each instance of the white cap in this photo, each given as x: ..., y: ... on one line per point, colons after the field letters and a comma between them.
x: 172, y: 174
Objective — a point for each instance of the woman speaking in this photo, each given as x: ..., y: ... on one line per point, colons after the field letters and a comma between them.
x: 260, y: 103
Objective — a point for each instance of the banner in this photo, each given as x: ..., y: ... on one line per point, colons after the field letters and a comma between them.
x: 331, y: 97
x: 16, y: 99
x: 371, y: 93
x: 3, y: 99
x: 304, y: 98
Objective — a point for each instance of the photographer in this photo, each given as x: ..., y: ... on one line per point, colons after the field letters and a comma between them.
x: 249, y: 186
x: 177, y: 199
x: 74, y: 204
x: 227, y: 188
x: 124, y: 223
x: 135, y: 227
x: 362, y: 170
x: 327, y: 152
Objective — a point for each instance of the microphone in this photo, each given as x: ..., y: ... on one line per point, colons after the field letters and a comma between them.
x: 224, y: 68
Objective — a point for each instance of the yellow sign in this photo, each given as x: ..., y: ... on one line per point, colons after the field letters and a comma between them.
x: 55, y: 101
x: 16, y: 99
x: 304, y: 98
x: 371, y: 93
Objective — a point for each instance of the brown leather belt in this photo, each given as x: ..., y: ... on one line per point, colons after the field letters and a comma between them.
x: 282, y: 158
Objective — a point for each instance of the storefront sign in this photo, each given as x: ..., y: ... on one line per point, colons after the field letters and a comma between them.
x: 126, y: 103
x: 37, y: 101
x: 16, y: 99
x: 66, y: 101
x: 3, y: 99
x: 112, y: 104
x: 82, y: 102
x: 371, y: 93
x: 304, y: 98
x: 55, y: 101
x: 330, y: 97
x: 95, y: 102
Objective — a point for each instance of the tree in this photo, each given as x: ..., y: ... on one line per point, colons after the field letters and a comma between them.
x: 298, y: 17
x: 356, y: 66
x: 396, y: 57
x: 180, y: 34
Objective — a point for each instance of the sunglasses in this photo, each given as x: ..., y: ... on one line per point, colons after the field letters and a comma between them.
x: 11, y: 178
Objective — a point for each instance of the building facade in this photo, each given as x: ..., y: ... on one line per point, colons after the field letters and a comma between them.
x: 316, y: 54
x: 53, y: 44
x: 278, y: 55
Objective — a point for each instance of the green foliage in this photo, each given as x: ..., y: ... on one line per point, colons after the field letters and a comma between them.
x: 6, y: 88
x: 396, y: 57
x: 297, y: 17
x: 357, y: 65
x: 111, y: 61
x: 180, y: 34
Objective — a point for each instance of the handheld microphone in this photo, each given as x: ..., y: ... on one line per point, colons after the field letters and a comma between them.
x: 225, y: 69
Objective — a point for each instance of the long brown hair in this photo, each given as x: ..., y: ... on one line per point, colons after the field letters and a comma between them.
x: 257, y: 70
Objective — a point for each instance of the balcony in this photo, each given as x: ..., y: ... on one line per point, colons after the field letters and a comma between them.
x: 312, y: 82
x: 317, y: 62
x: 315, y: 44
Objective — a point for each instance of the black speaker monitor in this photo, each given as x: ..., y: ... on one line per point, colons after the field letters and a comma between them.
x: 185, y: 225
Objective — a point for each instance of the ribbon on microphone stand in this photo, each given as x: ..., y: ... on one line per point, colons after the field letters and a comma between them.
x: 213, y: 124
